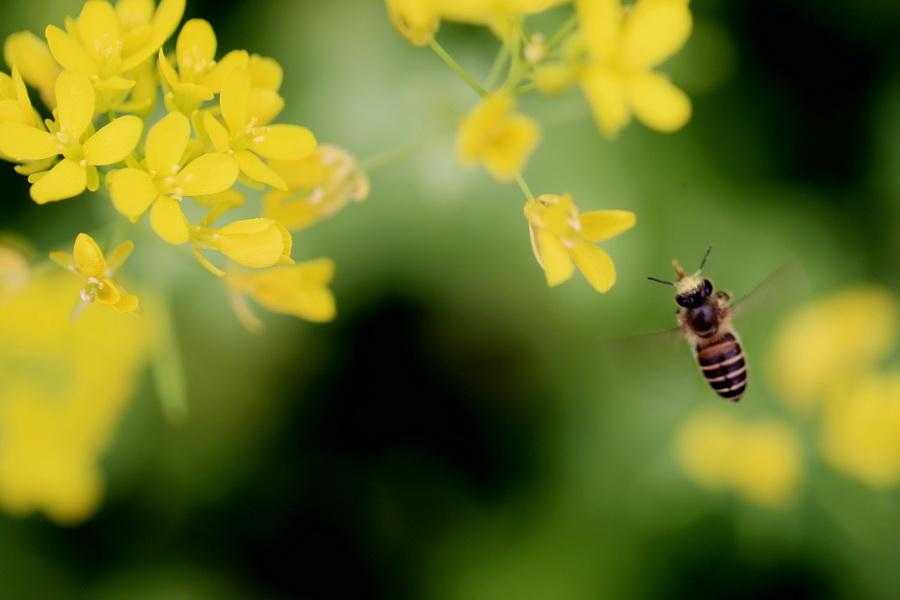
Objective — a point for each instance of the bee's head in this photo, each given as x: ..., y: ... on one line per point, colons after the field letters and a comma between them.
x: 691, y: 291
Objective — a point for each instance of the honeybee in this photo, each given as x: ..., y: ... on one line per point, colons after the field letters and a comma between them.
x: 704, y: 318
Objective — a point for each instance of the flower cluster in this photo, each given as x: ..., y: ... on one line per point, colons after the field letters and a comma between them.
x: 609, y: 49
x: 213, y: 136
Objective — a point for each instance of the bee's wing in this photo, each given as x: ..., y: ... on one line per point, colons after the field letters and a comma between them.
x: 783, y: 281
x: 646, y: 342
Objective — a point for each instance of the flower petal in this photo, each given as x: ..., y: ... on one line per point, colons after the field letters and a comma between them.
x: 119, y: 255
x: 63, y: 259
x: 284, y: 142
x: 266, y: 73
x: 605, y: 90
x: 165, y: 21
x: 217, y: 133
x: 109, y: 293
x: 168, y: 221
x: 209, y: 174
x: 602, y: 225
x: 69, y: 53
x: 554, y: 258
x: 128, y: 303
x: 653, y: 31
x: 75, y: 102
x: 98, y: 28
x: 265, y: 105
x: 231, y: 62
x: 235, y: 100
x: 166, y: 143
x: 30, y: 55
x: 253, y: 167
x: 256, y: 243
x: 195, y: 49
x: 66, y: 180
x: 114, y: 142
x: 88, y: 257
x: 658, y: 103
x: 132, y: 192
x: 596, y: 266
x: 25, y: 143
x: 601, y: 23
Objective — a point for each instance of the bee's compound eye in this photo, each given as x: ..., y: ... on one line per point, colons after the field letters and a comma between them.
x: 707, y: 287
x: 683, y: 301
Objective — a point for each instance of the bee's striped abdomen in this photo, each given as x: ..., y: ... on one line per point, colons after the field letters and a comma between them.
x: 722, y: 362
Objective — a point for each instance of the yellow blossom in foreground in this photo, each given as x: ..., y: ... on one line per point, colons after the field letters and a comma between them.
x: 99, y: 45
x: 64, y: 385
x: 15, y: 105
x: 562, y: 238
x: 497, y: 137
x: 299, y: 290
x: 761, y: 460
x: 861, y: 430
x: 82, y: 151
x: 30, y: 55
x: 831, y: 341
x: 249, y: 138
x: 88, y: 261
x: 624, y: 46
x: 419, y: 20
x: 255, y: 243
x: 162, y: 182
x: 319, y: 187
x: 198, y: 76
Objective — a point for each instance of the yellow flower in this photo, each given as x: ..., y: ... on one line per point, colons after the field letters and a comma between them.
x: 256, y: 243
x: 30, y: 55
x: 419, y: 20
x: 497, y: 137
x: 623, y: 48
x: 101, y: 46
x: 15, y: 105
x: 247, y: 135
x: 861, y: 430
x: 162, y: 182
x: 82, y: 151
x: 88, y: 261
x: 320, y: 186
x: 64, y: 385
x: 561, y: 236
x: 299, y: 290
x: 831, y: 341
x: 761, y: 460
x: 198, y: 76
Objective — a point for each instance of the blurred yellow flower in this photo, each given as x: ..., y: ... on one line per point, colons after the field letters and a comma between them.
x: 63, y: 387
x: 562, y: 238
x: 15, y: 270
x: 761, y: 461
x: 419, y: 20
x: 248, y: 136
x: 861, y: 430
x: 255, y: 243
x: 162, y: 182
x: 623, y: 48
x: 498, y: 137
x: 72, y: 138
x: 833, y: 340
x: 88, y: 261
x: 108, y: 44
x: 299, y: 290
x: 30, y: 55
x: 198, y: 76
x: 319, y: 187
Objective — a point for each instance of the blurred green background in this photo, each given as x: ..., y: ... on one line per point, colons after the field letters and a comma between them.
x: 462, y: 431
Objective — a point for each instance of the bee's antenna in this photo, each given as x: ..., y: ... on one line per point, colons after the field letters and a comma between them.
x: 662, y: 281
x: 705, y: 257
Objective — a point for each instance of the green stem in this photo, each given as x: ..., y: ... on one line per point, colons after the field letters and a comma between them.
x: 458, y: 69
x: 497, y: 67
x: 168, y: 371
x: 562, y: 33
x: 377, y: 161
x: 524, y: 187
